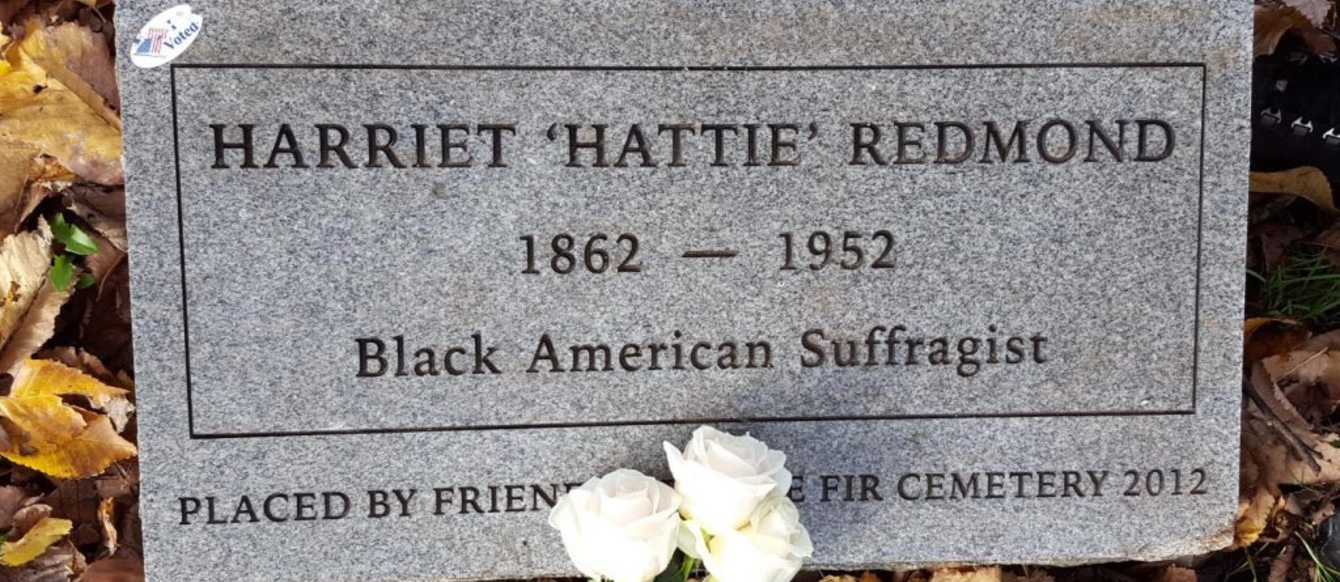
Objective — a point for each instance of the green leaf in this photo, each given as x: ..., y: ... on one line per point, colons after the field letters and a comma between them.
x: 61, y: 273
x: 86, y: 280
x: 75, y: 240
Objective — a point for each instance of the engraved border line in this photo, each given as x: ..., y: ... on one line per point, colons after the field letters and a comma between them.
x: 186, y: 341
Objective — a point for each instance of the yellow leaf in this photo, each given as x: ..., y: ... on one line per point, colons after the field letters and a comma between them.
x: 38, y: 110
x: 47, y: 435
x: 969, y: 574
x: 50, y: 378
x: 28, y: 302
x: 80, y: 59
x: 107, y: 518
x: 1305, y: 182
x: 35, y: 542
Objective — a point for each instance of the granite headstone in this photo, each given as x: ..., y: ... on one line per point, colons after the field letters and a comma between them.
x: 404, y: 271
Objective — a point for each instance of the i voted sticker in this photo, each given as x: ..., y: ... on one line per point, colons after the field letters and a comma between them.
x: 166, y: 36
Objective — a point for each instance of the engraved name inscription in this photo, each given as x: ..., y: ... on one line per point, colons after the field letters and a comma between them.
x: 654, y: 145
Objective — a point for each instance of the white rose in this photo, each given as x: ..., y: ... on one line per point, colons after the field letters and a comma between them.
x: 723, y: 477
x: 620, y: 527
x: 770, y: 548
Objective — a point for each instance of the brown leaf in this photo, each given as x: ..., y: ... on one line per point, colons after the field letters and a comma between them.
x: 1309, y: 379
x: 30, y: 303
x: 27, y: 517
x: 20, y: 167
x: 1272, y: 241
x: 102, y: 208
x: 77, y: 500
x: 130, y: 539
x: 104, y: 262
x: 119, y: 569
x: 1176, y: 574
x: 1329, y: 239
x: 122, y: 481
x: 1273, y: 22
x: 11, y: 500
x: 105, y: 327
x: 1267, y: 336
x: 1279, y: 447
x: 1314, y: 10
x: 1280, y: 566
x: 1304, y: 182
x: 95, y: 507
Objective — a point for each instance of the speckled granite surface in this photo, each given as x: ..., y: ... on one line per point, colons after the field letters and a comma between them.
x: 1014, y: 337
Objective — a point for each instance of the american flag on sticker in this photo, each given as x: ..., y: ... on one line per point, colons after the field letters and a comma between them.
x: 152, y: 43
x: 164, y: 37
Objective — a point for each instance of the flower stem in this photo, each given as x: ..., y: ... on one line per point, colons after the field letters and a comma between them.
x: 690, y: 564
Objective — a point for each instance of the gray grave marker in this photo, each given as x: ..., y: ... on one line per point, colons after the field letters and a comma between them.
x: 404, y: 270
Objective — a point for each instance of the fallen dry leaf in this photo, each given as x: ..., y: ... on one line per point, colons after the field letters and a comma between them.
x: 105, y: 327
x: 30, y: 303
x: 1314, y: 10
x: 39, y: 111
x: 59, y: 440
x: 1309, y: 379
x: 1271, y: 23
x: 1304, y: 182
x: 104, y: 262
x: 35, y: 542
x: 1329, y: 240
x: 11, y: 499
x: 982, y: 574
x: 107, y: 517
x: 77, y: 500
x: 1272, y: 242
x: 1279, y: 447
x: 60, y: 563
x: 1263, y: 337
x: 1259, y: 500
x: 87, y: 363
x: 1281, y: 565
x: 1176, y: 574
x: 50, y: 378
x: 104, y: 209
x: 17, y: 171
x: 81, y: 60
x: 116, y: 569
